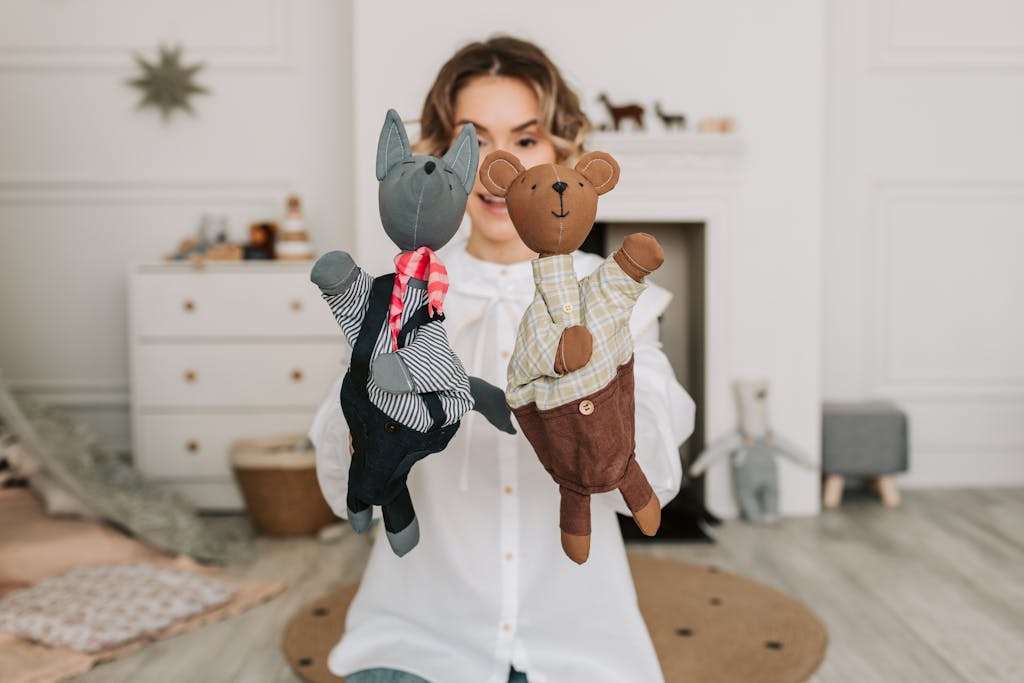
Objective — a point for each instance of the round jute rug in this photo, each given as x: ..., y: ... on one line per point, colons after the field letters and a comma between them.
x: 708, y: 626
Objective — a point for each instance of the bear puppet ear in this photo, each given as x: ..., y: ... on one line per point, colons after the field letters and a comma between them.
x: 498, y: 171
x: 600, y: 169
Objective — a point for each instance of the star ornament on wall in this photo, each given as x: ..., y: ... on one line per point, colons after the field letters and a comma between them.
x: 167, y: 84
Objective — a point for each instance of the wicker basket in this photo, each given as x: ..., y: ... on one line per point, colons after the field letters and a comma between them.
x: 278, y: 483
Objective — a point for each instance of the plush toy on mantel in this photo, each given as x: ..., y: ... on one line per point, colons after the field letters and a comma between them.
x: 406, y: 390
x: 753, y: 449
x: 570, y: 378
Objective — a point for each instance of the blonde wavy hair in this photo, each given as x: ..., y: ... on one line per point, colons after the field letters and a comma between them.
x: 561, y: 118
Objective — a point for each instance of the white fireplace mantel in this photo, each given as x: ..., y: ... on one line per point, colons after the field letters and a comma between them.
x: 663, y: 175
x: 689, y: 178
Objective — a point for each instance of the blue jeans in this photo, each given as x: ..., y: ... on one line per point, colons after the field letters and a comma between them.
x: 396, y: 676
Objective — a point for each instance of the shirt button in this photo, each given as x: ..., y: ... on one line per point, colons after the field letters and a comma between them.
x: 508, y: 490
x: 506, y: 627
x: 504, y: 271
x: 508, y: 556
x: 391, y: 427
x: 567, y: 308
x: 504, y: 354
x: 586, y: 407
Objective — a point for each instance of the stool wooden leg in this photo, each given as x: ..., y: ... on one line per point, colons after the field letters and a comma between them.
x: 833, y: 493
x: 888, y: 490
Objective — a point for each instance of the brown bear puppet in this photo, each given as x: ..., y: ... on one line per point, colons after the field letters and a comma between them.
x: 570, y: 378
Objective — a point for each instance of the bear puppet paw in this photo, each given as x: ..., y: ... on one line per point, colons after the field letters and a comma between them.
x: 574, y: 349
x: 640, y: 255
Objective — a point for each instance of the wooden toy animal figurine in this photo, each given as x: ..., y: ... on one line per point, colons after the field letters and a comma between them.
x: 570, y: 377
x: 405, y: 391
x: 670, y: 120
x: 752, y: 449
x: 623, y: 112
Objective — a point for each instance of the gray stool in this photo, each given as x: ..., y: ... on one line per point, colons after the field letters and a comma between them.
x: 866, y: 440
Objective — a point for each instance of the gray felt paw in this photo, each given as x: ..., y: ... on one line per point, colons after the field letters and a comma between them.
x: 405, y: 540
x: 489, y: 401
x: 334, y: 272
x: 360, y: 521
x: 390, y: 374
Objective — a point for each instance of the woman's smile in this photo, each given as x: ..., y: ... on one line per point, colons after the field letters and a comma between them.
x: 492, y: 204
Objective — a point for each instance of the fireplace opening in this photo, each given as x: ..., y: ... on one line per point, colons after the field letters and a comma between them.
x: 682, y: 329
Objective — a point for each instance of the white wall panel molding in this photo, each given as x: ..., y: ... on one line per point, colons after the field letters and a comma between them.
x: 943, y: 287
x: 84, y: 393
x: 958, y: 469
x: 946, y: 34
x: 228, y: 34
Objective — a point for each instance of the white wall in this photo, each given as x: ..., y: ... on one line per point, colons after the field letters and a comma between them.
x: 923, y: 289
x: 88, y: 184
x: 923, y: 205
x: 762, y: 62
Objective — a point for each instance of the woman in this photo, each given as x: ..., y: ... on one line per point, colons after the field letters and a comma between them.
x: 488, y: 595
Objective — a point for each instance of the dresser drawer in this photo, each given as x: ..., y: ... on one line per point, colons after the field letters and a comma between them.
x: 195, y: 446
x: 186, y: 303
x: 234, y: 375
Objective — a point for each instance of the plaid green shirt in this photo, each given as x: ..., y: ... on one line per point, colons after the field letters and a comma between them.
x: 602, y: 302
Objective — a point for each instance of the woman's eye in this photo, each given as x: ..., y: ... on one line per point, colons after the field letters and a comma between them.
x: 527, y: 142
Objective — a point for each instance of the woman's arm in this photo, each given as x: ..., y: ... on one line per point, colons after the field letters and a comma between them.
x: 665, y: 416
x: 329, y: 434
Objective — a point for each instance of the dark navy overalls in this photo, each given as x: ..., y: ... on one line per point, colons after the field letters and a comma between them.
x: 384, y: 450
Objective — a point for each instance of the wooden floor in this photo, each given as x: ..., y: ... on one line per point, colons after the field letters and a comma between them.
x: 932, y: 591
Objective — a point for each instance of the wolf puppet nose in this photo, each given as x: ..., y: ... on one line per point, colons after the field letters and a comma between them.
x: 429, y: 167
x: 559, y: 187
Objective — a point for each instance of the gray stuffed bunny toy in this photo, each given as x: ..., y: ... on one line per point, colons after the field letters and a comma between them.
x: 406, y: 390
x: 753, y: 449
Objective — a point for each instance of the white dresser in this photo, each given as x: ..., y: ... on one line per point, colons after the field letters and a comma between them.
x: 242, y: 349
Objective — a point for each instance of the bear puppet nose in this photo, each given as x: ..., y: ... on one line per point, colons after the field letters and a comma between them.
x: 429, y: 167
x: 559, y: 187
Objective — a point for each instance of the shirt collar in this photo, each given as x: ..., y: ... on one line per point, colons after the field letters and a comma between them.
x: 474, y: 277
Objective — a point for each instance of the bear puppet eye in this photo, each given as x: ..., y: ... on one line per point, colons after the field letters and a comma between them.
x: 534, y: 187
x: 581, y: 184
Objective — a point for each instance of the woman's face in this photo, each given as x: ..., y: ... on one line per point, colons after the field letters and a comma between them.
x: 505, y: 112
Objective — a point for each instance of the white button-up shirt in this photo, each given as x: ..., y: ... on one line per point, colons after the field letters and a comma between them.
x: 488, y: 586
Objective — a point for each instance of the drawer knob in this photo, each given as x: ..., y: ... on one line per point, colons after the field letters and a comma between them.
x: 192, y: 446
x: 296, y: 305
x: 190, y: 375
x: 189, y: 305
x: 296, y: 375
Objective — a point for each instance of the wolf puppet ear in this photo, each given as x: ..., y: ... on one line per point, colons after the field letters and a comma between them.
x: 498, y: 171
x: 393, y: 145
x: 463, y: 157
